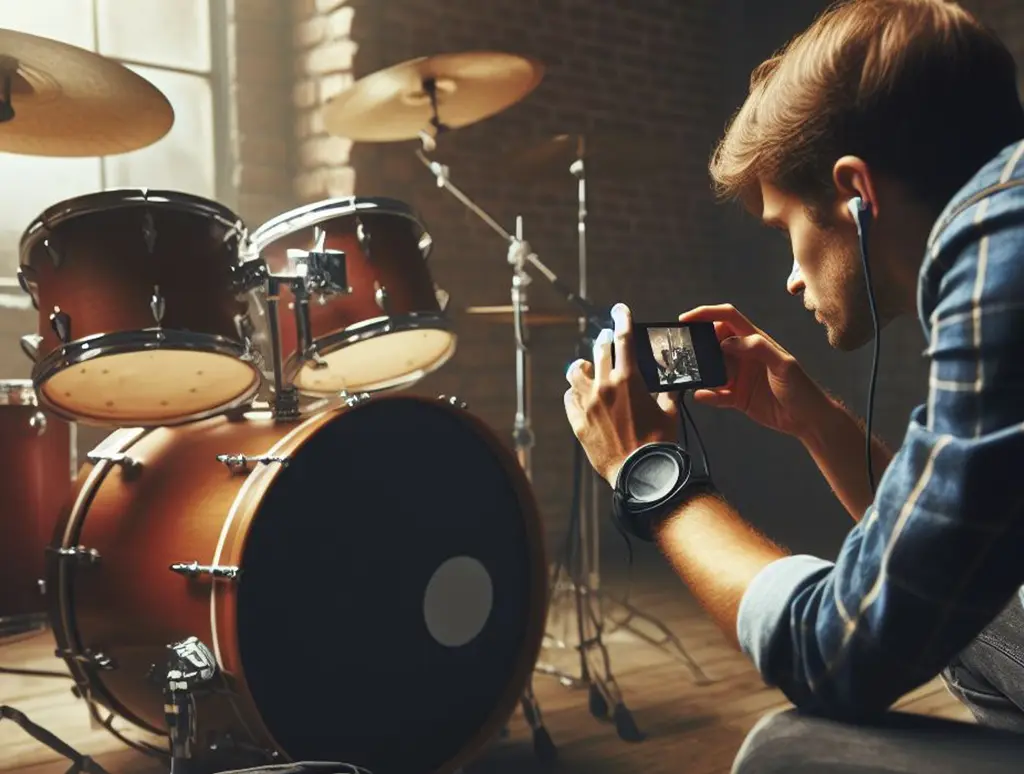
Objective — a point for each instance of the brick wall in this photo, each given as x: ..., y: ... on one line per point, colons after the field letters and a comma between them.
x: 647, y: 71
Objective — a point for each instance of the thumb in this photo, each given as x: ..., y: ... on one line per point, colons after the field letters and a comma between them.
x: 667, y: 403
x: 717, y: 398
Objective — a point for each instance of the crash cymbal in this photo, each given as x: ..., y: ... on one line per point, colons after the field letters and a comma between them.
x: 605, y: 154
x: 394, y: 104
x: 66, y: 101
x: 504, y: 314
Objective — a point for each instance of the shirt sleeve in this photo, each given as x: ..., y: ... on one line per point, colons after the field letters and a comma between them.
x: 940, y: 551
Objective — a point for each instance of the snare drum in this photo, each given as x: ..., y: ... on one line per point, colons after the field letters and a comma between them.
x: 389, y: 618
x: 391, y: 330
x: 36, y: 468
x: 140, y: 323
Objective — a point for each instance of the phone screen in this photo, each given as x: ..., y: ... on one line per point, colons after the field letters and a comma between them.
x: 678, y: 357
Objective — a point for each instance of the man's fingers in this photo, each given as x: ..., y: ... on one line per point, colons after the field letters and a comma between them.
x: 667, y: 402
x: 580, y: 374
x: 716, y: 398
x: 721, y: 313
x: 603, y: 356
x: 625, y: 357
x: 758, y: 346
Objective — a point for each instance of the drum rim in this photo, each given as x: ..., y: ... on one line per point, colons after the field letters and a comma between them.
x: 18, y: 392
x: 371, y: 329
x: 328, y: 209
x: 126, y: 342
x: 236, y: 529
x: 118, y: 198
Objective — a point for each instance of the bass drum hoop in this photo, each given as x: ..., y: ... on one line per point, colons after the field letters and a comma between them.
x: 330, y: 209
x: 61, y: 605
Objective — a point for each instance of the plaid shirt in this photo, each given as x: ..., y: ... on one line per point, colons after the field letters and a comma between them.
x: 940, y: 552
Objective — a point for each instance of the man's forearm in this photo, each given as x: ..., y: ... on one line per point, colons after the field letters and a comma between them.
x: 835, y: 440
x: 717, y: 554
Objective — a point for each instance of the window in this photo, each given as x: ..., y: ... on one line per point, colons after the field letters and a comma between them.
x: 167, y: 42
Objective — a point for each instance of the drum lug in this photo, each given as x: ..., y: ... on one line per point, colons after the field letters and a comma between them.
x: 23, y: 282
x: 364, y: 239
x: 115, y: 458
x: 38, y: 423
x: 79, y: 554
x: 194, y: 570
x: 30, y: 346
x: 248, y: 276
x: 442, y: 297
x: 53, y: 252
x: 241, y: 463
x: 95, y: 659
x: 453, y: 400
x: 61, y: 324
x: 380, y: 295
x: 149, y: 232
x: 157, y: 305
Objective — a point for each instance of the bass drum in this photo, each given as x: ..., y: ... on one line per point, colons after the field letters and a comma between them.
x: 371, y: 581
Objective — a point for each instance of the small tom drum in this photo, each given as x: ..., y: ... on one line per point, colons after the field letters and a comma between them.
x: 140, y: 322
x: 391, y: 329
x: 390, y: 619
x: 36, y: 469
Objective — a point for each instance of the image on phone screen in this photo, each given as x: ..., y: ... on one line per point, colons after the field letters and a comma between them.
x: 674, y: 356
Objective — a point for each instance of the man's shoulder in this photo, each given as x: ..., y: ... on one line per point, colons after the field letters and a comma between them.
x: 993, y: 190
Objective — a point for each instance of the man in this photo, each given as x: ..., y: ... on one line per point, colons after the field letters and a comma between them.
x: 910, y: 107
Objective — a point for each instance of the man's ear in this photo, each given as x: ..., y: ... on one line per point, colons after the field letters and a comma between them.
x: 852, y: 178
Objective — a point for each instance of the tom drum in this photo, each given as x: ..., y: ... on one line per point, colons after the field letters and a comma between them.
x: 371, y: 581
x: 391, y: 330
x: 140, y: 322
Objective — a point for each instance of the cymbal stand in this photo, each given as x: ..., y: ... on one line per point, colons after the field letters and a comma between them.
x: 519, y: 254
x: 595, y: 608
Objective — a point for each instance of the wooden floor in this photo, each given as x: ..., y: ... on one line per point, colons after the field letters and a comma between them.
x: 690, y: 728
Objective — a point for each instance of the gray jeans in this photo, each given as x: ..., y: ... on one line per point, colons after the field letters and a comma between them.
x: 987, y: 677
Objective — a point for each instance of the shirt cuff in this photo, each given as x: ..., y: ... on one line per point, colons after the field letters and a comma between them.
x: 765, y: 603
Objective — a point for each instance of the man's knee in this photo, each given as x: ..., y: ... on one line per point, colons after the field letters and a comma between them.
x: 768, y: 748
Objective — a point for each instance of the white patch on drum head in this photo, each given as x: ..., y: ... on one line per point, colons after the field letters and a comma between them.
x: 458, y: 601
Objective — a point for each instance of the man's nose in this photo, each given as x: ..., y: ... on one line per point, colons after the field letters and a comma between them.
x: 795, y: 281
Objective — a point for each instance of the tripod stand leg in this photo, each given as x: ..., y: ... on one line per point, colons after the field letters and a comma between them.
x: 79, y: 762
x: 668, y: 642
x: 543, y: 746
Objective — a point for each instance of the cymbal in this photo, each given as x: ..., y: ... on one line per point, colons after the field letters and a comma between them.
x: 608, y: 155
x: 68, y: 101
x: 504, y: 314
x: 393, y: 104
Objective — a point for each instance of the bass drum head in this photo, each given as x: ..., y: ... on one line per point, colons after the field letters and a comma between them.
x: 393, y: 591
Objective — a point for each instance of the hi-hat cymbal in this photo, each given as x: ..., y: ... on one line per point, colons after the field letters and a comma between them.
x: 607, y: 155
x: 394, y: 104
x: 504, y: 314
x: 67, y: 101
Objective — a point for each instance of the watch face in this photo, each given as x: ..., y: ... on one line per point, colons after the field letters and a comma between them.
x: 653, y: 477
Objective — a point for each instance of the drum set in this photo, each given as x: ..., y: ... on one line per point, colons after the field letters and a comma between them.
x: 201, y: 578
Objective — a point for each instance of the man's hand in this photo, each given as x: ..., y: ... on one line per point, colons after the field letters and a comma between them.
x: 765, y: 382
x: 610, y: 410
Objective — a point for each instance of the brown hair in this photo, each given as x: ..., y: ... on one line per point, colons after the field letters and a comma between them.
x: 919, y: 89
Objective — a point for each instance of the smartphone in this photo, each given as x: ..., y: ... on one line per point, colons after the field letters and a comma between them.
x: 679, y: 357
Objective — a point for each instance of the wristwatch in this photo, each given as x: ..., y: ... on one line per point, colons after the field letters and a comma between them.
x: 653, y: 481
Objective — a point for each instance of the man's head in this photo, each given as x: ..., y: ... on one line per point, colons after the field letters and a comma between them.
x: 898, y: 102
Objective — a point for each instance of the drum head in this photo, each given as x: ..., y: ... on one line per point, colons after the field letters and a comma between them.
x: 149, y: 387
x: 392, y: 597
x: 382, y: 362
